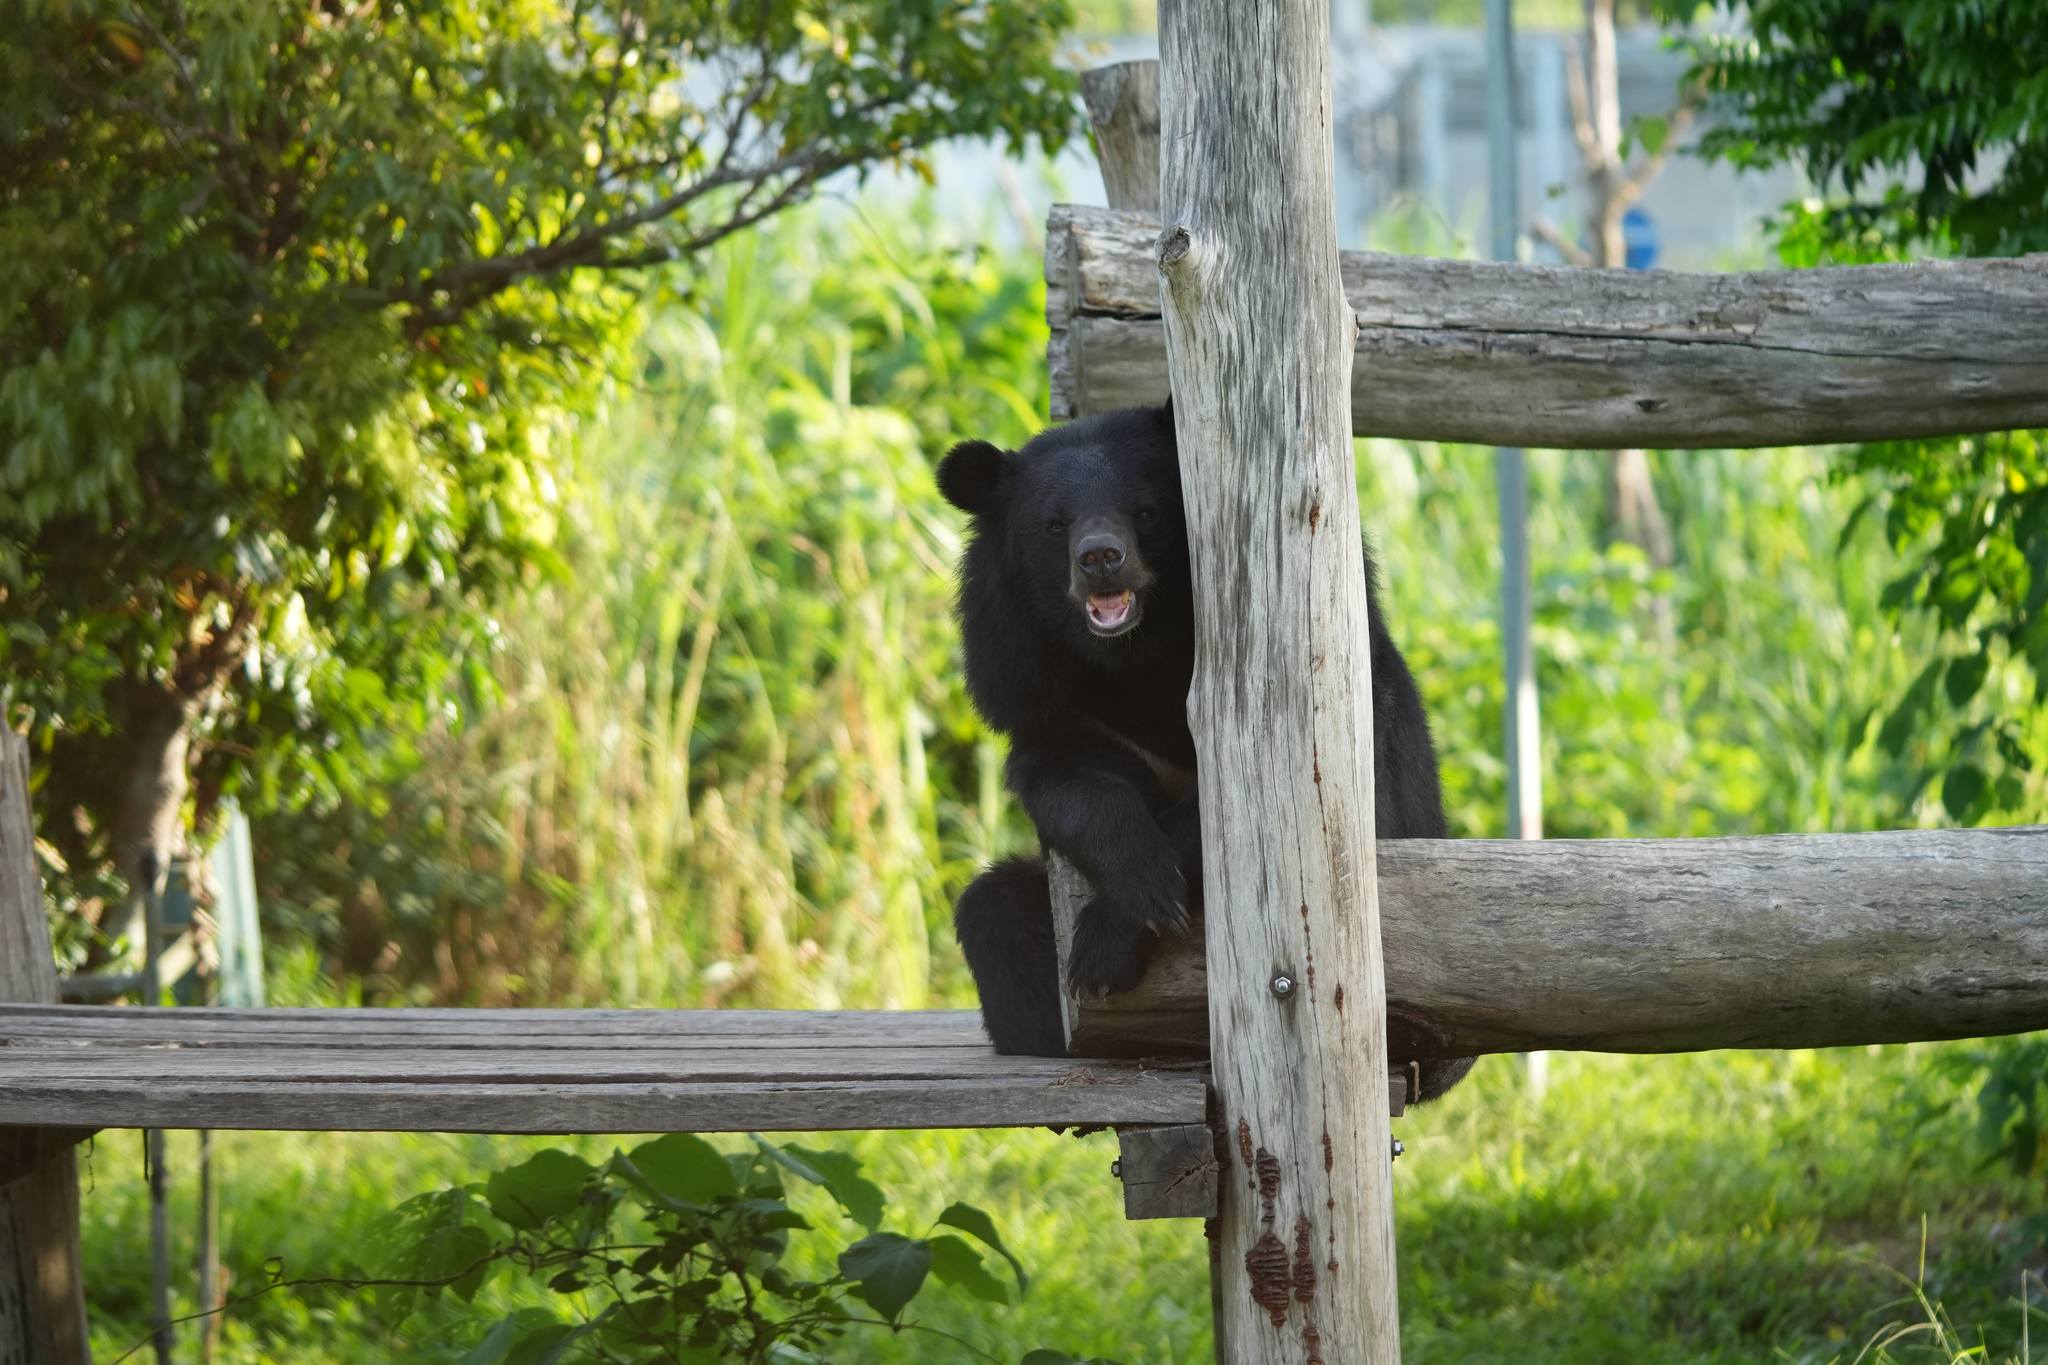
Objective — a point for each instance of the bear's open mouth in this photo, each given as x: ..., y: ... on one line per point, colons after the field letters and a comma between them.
x: 1112, y: 613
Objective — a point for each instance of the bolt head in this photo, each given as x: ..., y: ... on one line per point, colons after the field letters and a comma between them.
x: 1398, y: 1149
x: 1283, y: 986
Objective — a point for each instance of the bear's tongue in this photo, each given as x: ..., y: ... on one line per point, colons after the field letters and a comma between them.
x: 1108, y: 609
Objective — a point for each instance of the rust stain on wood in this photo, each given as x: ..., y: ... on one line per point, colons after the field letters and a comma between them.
x: 1304, y: 1261
x: 1266, y: 1265
x: 1269, y: 1183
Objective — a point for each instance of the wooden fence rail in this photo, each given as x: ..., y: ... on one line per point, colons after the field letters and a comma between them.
x: 1672, y: 945
x: 1523, y: 355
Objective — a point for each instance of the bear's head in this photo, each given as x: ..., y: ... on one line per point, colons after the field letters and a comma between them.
x: 1086, y: 523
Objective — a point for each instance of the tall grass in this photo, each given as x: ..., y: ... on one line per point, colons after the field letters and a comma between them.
x: 730, y: 760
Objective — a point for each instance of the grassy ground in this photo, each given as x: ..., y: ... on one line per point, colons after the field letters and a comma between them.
x: 1728, y: 1207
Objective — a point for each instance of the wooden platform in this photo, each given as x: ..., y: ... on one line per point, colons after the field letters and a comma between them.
x: 553, y: 1071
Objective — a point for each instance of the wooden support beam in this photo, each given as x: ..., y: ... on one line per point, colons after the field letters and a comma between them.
x: 1260, y: 341
x: 1559, y: 356
x: 42, y: 1294
x: 1676, y: 945
x: 1168, y: 1171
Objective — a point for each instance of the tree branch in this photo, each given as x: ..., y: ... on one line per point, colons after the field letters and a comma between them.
x: 1590, y: 150
x: 1630, y: 186
x: 1543, y: 230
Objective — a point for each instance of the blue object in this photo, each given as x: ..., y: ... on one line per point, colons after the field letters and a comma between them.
x: 1639, y: 240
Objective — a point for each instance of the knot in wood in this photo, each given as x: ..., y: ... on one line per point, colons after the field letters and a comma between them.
x: 1173, y: 246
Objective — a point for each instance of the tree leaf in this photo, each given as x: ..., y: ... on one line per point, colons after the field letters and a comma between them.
x: 974, y: 1222
x: 838, y: 1174
x: 683, y: 1167
x: 1962, y: 789
x: 547, y: 1185
x: 887, y: 1269
x: 497, y: 1343
x: 1905, y: 718
x: 1965, y: 675
x: 960, y: 1265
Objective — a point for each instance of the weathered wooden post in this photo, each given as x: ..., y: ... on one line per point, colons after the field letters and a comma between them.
x: 1123, y: 107
x: 42, y: 1295
x: 1259, y: 342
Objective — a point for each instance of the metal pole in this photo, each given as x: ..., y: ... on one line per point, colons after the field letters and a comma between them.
x: 1521, y: 722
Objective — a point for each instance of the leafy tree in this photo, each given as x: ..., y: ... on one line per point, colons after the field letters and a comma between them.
x: 1926, y: 125
x: 298, y: 300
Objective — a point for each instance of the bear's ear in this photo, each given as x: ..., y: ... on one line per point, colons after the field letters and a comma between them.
x: 971, y: 473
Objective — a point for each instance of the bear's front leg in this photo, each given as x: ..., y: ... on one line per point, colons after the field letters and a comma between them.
x: 1094, y: 813
x: 1112, y: 944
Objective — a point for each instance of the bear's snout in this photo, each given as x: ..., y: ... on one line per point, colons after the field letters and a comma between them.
x: 1100, y: 554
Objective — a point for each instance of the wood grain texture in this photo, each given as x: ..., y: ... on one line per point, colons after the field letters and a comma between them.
x: 554, y: 1071
x: 1680, y: 945
x: 42, y: 1293
x: 1561, y: 356
x: 1168, y: 1172
x: 1123, y: 107
x: 1260, y: 341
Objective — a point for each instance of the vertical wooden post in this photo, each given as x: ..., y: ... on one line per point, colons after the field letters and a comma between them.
x: 1123, y: 106
x: 42, y: 1295
x: 1259, y: 343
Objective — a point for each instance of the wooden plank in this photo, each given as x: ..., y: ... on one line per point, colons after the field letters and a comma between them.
x: 33, y: 1065
x: 1090, y: 1096
x: 42, y: 1293
x: 1561, y: 356
x: 1678, y: 945
x: 1168, y: 1172
x: 1261, y: 341
x: 542, y: 1071
x: 196, y: 1027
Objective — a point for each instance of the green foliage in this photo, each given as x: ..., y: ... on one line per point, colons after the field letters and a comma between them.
x: 1930, y: 121
x: 2011, y: 1077
x: 675, y: 1251
x: 1972, y: 514
x: 298, y: 301
x: 1930, y: 116
x: 734, y: 760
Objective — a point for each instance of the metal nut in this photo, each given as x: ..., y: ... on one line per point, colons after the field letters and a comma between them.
x: 1283, y: 986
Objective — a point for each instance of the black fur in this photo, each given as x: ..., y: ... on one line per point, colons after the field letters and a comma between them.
x: 1100, y: 751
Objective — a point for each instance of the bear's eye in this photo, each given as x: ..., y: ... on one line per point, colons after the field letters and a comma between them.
x: 1145, y: 516
x: 1056, y: 527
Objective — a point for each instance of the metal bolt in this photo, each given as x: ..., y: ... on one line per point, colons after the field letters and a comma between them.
x: 1116, y: 1169
x: 1283, y: 986
x: 1398, y: 1149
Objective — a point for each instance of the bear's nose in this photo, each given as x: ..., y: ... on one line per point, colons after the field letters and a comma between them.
x: 1099, y: 554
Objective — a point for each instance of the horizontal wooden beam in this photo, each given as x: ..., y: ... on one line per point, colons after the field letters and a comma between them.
x: 554, y: 1071
x: 1544, y: 356
x: 1672, y: 945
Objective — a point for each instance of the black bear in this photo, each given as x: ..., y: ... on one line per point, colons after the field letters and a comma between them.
x: 1077, y: 619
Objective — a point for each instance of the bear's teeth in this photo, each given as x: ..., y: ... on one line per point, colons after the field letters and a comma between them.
x: 1109, y: 608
